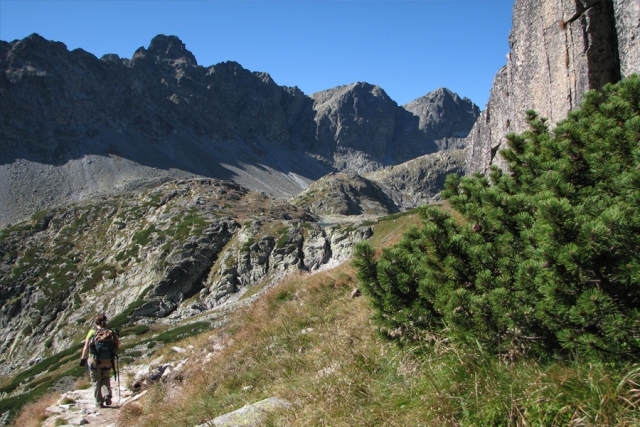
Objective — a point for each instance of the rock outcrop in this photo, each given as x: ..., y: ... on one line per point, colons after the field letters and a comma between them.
x: 345, y: 194
x: 392, y: 189
x: 73, y: 126
x: 627, y: 15
x: 250, y: 415
x: 559, y: 50
x: 418, y: 182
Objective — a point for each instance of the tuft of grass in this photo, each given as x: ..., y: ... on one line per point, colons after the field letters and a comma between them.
x: 247, y: 245
x: 284, y: 237
x: 143, y: 238
x: 140, y: 329
x: 33, y: 414
x: 129, y: 414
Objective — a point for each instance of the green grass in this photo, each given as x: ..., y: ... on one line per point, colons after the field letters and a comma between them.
x: 104, y: 271
x: 45, y: 365
x: 143, y: 238
x: 134, y: 330
x: 283, y: 239
x: 247, y: 245
x: 191, y: 224
x: 140, y: 329
x: 173, y: 335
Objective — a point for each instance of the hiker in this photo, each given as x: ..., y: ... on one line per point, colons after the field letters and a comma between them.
x: 102, y: 345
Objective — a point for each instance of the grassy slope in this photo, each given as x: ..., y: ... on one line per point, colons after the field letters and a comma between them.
x: 309, y: 342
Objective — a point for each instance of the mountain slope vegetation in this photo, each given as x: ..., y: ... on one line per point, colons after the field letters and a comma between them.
x: 309, y: 342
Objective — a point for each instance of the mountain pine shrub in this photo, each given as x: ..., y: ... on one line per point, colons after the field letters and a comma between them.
x: 547, y: 256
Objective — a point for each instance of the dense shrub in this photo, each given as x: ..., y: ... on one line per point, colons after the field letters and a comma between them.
x: 546, y: 257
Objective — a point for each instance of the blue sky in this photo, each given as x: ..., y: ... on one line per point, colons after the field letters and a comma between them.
x: 409, y: 48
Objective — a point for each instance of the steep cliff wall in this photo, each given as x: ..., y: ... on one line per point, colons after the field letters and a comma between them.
x: 627, y: 15
x: 559, y: 50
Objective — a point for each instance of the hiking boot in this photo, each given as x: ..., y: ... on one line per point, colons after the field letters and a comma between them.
x: 107, y: 401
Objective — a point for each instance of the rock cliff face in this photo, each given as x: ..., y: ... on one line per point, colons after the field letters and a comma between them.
x: 159, y: 256
x: 627, y: 15
x: 559, y: 50
x: 73, y: 126
x: 418, y: 182
x: 345, y: 194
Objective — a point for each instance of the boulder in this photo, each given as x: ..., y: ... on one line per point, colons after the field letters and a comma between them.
x: 252, y: 415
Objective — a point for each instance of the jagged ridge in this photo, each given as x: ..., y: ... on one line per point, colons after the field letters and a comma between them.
x: 73, y: 126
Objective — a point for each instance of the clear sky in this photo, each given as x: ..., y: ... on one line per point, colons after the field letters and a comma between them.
x: 409, y: 48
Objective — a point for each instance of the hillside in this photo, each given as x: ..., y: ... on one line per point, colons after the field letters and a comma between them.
x: 392, y: 189
x: 164, y: 256
x: 308, y: 355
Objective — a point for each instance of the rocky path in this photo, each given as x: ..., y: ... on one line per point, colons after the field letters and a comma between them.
x: 77, y: 408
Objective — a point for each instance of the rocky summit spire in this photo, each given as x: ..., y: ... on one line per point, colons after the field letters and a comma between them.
x: 171, y: 48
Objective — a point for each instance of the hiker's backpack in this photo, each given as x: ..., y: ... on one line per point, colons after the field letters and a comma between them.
x: 104, y: 344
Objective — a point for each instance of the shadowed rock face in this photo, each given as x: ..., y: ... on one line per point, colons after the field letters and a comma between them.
x: 73, y: 126
x: 366, y: 130
x: 559, y: 50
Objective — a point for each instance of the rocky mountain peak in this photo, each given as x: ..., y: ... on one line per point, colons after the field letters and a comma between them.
x: 35, y: 42
x: 31, y: 53
x: 443, y: 105
x: 345, y: 93
x: 170, y: 48
x: 359, y: 117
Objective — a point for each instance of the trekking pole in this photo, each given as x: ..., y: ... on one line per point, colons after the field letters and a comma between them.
x: 118, y: 378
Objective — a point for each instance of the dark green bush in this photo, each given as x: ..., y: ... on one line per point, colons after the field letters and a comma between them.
x: 546, y: 258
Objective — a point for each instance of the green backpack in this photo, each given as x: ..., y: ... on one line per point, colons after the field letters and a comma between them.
x: 103, y: 344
